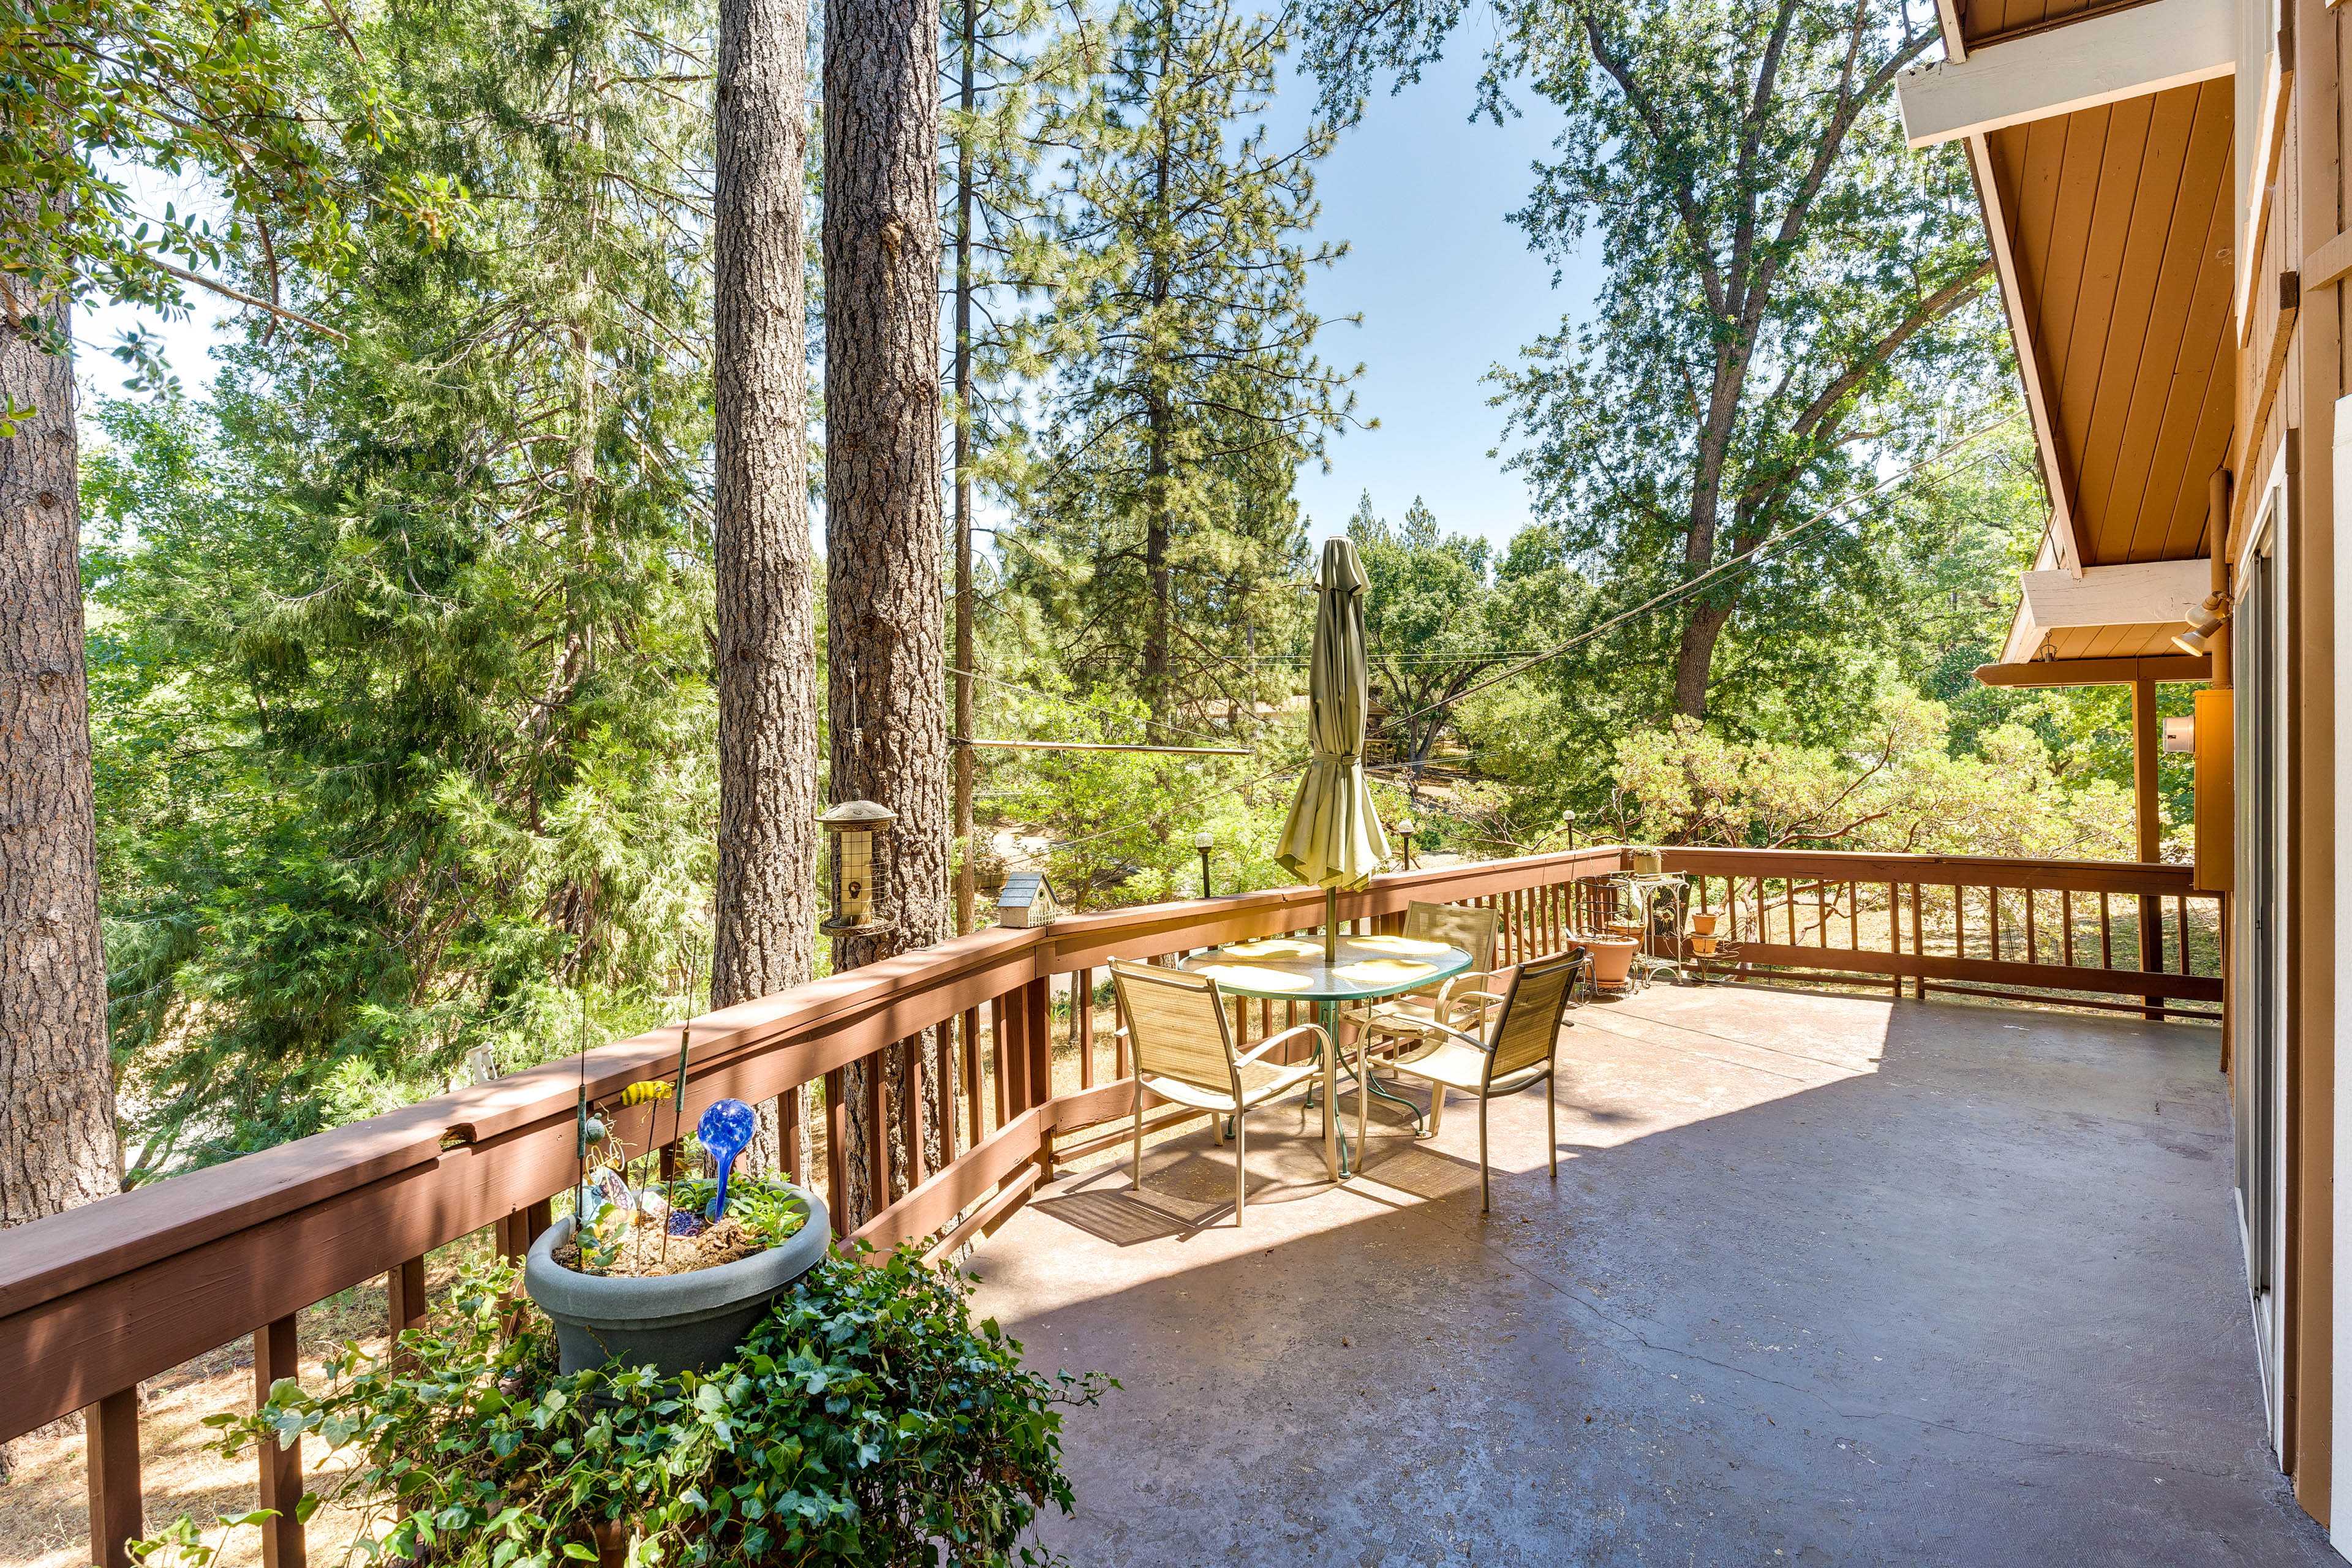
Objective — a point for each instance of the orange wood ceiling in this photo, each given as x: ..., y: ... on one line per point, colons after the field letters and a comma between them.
x: 2120, y: 227
x: 1984, y: 20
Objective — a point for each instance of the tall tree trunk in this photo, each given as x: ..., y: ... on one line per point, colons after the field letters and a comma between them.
x: 967, y: 874
x: 885, y: 664
x: 1696, y: 654
x: 1156, y: 681
x: 765, y: 937
x: 57, y: 1142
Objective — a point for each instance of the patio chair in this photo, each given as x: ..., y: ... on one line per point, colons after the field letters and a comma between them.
x: 1392, y: 1021
x: 1181, y: 1034
x: 1519, y: 1049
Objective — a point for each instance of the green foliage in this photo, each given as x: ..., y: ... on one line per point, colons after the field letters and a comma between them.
x: 1426, y: 626
x: 403, y: 723
x: 866, y: 1421
x: 188, y: 88
x: 1795, y: 301
x: 1118, y: 826
x: 1161, y: 541
x: 1903, y: 791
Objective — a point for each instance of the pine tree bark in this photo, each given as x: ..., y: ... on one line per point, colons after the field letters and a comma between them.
x: 59, y: 1147
x: 765, y: 646
x: 886, y: 662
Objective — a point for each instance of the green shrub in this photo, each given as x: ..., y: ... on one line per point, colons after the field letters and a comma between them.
x: 867, y: 1421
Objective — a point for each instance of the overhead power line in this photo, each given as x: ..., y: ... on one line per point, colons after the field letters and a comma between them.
x: 1098, y: 746
x: 1743, y: 558
x: 1089, y: 707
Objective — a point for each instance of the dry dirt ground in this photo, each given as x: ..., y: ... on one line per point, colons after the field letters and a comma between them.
x: 44, y: 1508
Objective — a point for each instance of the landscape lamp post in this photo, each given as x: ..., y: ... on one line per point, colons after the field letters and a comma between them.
x: 1204, y: 842
x: 1405, y: 828
x: 856, y: 828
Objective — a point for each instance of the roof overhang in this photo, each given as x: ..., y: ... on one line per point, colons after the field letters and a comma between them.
x: 2102, y: 144
x: 2107, y: 612
x: 2062, y: 70
x: 2097, y: 671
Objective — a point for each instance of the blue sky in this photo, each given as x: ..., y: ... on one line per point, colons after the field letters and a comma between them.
x: 1446, y: 287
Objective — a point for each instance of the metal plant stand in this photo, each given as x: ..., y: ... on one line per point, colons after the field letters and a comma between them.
x: 1644, y: 886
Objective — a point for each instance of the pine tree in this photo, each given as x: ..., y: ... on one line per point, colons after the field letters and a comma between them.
x: 1017, y: 83
x: 766, y: 928
x: 440, y: 594
x: 886, y: 658
x: 1164, y: 540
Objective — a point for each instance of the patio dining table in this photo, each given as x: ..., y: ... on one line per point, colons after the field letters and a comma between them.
x: 1293, y: 968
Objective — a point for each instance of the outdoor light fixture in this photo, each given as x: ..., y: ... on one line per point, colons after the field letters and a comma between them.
x: 1204, y: 842
x: 2203, y: 620
x: 857, y: 828
x: 1405, y: 826
x: 1568, y: 820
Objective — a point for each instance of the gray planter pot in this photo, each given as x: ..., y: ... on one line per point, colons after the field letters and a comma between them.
x: 678, y: 1323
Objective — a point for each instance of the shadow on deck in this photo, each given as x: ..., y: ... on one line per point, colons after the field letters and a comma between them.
x: 1823, y: 1281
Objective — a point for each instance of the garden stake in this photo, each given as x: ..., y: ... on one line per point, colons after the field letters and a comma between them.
x: 678, y: 1107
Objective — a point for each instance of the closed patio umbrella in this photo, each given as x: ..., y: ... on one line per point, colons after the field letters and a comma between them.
x: 1333, y: 839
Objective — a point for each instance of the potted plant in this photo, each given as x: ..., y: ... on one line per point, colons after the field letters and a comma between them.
x: 866, y: 1420
x: 675, y: 1278
x: 1612, y: 959
x: 1648, y: 861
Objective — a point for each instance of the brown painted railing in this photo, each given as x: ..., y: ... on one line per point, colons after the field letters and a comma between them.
x: 2037, y: 931
x: 95, y: 1300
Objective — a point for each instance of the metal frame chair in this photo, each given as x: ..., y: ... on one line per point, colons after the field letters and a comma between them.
x: 1521, y: 1048
x: 1181, y: 1034
x: 1397, y: 1019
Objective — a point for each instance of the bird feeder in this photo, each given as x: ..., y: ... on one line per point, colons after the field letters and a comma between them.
x: 857, y: 828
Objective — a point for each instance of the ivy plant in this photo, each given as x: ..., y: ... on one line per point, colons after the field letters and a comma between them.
x: 866, y: 1420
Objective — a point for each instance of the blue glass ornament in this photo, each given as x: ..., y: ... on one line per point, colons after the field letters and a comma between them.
x: 726, y: 1130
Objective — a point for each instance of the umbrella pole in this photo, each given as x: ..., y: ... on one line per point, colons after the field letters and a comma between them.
x: 1330, y: 925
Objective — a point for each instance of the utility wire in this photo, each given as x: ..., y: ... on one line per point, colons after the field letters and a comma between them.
x: 1742, y: 559
x: 1089, y: 707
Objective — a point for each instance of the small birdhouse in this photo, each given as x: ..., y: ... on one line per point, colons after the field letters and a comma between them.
x: 1027, y: 900
x: 856, y: 828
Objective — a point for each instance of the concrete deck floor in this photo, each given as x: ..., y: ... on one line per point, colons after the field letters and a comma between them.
x: 1823, y: 1279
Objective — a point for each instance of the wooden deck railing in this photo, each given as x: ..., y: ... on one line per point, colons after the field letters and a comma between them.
x: 97, y: 1298
x: 2083, y: 932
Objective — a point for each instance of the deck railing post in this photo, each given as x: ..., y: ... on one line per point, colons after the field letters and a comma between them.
x: 276, y: 1354
x: 1918, y: 948
x: 836, y: 1142
x: 1037, y: 998
x: 972, y: 1075
x: 118, y: 1513
x: 404, y: 1294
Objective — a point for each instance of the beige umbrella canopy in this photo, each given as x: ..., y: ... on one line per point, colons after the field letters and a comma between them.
x: 1333, y: 839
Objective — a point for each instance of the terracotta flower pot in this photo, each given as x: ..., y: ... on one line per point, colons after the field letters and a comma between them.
x: 1704, y: 924
x: 1702, y: 943
x: 1612, y: 960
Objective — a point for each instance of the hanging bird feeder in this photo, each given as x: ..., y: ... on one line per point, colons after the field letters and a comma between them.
x: 857, y: 828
